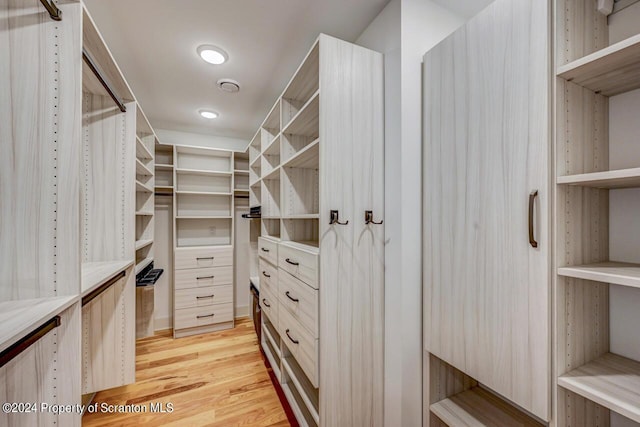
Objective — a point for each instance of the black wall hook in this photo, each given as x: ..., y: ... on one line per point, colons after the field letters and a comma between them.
x: 368, y: 218
x: 335, y: 219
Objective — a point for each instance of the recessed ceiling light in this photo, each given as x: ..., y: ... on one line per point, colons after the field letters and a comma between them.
x: 208, y: 114
x: 212, y: 54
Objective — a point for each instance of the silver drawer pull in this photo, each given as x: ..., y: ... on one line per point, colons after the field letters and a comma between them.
x: 205, y: 277
x: 205, y: 315
x: 290, y: 297
x: 292, y: 262
x: 264, y: 301
x: 203, y: 258
x: 205, y: 297
x: 292, y: 340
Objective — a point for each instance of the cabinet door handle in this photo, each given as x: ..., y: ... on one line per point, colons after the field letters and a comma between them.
x: 264, y: 250
x: 264, y: 301
x: 203, y: 258
x: 205, y: 277
x: 205, y: 315
x: 264, y: 273
x: 289, y: 336
x: 205, y: 297
x: 292, y: 262
x: 532, y: 199
x: 290, y: 297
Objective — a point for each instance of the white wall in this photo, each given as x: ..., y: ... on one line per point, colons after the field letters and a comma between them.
x: 199, y: 140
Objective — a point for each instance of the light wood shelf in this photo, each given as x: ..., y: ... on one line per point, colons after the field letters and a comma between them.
x: 20, y: 317
x: 478, y: 407
x: 256, y: 182
x: 273, y: 149
x: 623, y: 178
x: 142, y: 152
x: 143, y: 264
x: 305, y: 245
x: 307, y: 158
x: 302, y: 216
x: 271, y: 335
x: 306, y: 121
x: 204, y: 193
x: 611, y: 381
x: 255, y: 164
x: 241, y: 171
x: 273, y: 175
x: 142, y: 213
x: 203, y: 217
x: 202, y: 172
x: 309, y: 394
x: 95, y: 274
x: 141, y: 188
x: 140, y: 244
x: 164, y: 188
x: 609, y: 71
x: 617, y: 273
x: 163, y: 167
x: 142, y: 170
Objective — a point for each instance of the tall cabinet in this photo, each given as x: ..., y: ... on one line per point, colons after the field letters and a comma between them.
x: 487, y: 233
x: 316, y: 169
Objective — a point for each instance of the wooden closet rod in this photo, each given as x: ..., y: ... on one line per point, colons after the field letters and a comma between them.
x: 87, y: 59
x: 95, y: 293
x: 10, y: 353
x: 54, y: 12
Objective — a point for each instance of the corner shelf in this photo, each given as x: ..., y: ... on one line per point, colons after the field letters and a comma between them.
x: 273, y: 175
x: 478, y: 407
x: 141, y: 188
x: 307, y: 158
x: 609, y: 71
x: 622, y: 178
x: 142, y: 152
x: 142, y: 169
x: 617, y: 273
x: 612, y: 381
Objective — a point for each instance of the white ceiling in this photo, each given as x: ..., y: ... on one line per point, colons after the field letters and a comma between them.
x: 464, y: 8
x: 155, y: 41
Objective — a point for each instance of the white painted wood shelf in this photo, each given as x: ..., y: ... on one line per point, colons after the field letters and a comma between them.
x: 203, y: 217
x: 163, y: 167
x: 273, y: 149
x: 143, y: 264
x: 274, y: 175
x: 623, y: 178
x: 20, y: 317
x: 202, y: 172
x: 302, y: 216
x: 140, y: 244
x: 308, y: 393
x: 142, y: 152
x: 95, y: 274
x: 203, y: 193
x: 241, y: 171
x: 609, y: 71
x: 141, y: 188
x: 307, y: 158
x: 306, y: 121
x: 617, y: 273
x: 611, y: 380
x: 142, y: 170
x: 305, y: 245
x: 477, y: 408
x: 142, y: 213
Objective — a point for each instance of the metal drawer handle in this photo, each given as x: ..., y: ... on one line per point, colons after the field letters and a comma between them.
x: 205, y: 277
x: 264, y: 273
x: 532, y: 199
x: 292, y: 340
x: 207, y: 315
x: 264, y: 250
x: 205, y: 297
x: 202, y: 258
x: 292, y: 262
x: 290, y: 297
x: 264, y: 301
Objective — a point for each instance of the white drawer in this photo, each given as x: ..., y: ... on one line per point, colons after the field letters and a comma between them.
x: 268, y: 277
x: 202, y: 316
x: 303, y: 346
x: 270, y: 307
x: 300, y: 262
x: 203, y: 277
x: 300, y: 299
x: 203, y: 257
x: 268, y: 249
x: 199, y: 297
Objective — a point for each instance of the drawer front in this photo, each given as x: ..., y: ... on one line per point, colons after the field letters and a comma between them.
x: 268, y: 249
x: 270, y: 307
x: 301, y: 343
x: 203, y: 257
x: 203, y: 277
x: 301, y: 264
x: 202, y: 316
x: 268, y: 277
x: 199, y: 297
x: 300, y: 299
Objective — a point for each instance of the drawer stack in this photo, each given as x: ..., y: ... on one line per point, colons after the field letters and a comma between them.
x: 203, y: 299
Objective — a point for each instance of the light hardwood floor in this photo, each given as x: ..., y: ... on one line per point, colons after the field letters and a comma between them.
x: 216, y: 379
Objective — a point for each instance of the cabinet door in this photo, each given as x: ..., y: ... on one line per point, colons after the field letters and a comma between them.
x: 486, y: 148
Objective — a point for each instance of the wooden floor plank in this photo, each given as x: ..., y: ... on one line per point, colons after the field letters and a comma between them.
x: 216, y: 379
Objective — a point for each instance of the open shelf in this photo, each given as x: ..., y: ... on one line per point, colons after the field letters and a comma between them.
x: 141, y: 188
x: 161, y: 167
x: 623, y: 178
x: 478, y: 407
x: 273, y: 175
x: 141, y: 213
x: 202, y: 172
x: 241, y: 172
x: 304, y: 245
x: 611, y: 381
x: 298, y: 405
x: 203, y: 217
x: 142, y: 169
x: 307, y: 120
x: 164, y: 188
x: 95, y: 274
x: 273, y: 337
x: 143, y: 264
x: 142, y: 152
x: 302, y: 216
x: 307, y: 158
x: 308, y: 393
x: 203, y: 231
x: 204, y: 193
x: 617, y: 273
x: 143, y: 243
x: 609, y: 71
x: 302, y: 86
x: 18, y: 318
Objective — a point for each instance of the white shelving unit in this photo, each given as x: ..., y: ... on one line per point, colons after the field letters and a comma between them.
x: 146, y: 141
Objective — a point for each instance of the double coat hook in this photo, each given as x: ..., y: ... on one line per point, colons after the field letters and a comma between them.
x: 368, y: 218
x: 335, y: 219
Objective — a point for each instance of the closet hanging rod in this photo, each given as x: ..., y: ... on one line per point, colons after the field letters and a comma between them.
x: 87, y: 59
x: 54, y: 12
x: 94, y: 294
x: 10, y: 353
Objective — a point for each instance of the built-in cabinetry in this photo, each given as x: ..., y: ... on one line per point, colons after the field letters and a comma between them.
x: 316, y: 168
x: 487, y: 235
x: 145, y: 183
x: 597, y: 188
x: 203, y: 235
